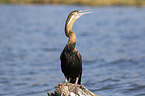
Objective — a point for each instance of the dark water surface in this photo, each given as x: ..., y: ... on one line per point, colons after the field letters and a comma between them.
x: 111, y: 41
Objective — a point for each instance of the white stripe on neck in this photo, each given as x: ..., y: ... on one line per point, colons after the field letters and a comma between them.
x: 70, y: 19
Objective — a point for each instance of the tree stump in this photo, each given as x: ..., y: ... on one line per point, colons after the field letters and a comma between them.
x: 69, y: 89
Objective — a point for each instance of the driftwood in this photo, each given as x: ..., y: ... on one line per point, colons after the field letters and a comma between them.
x: 69, y: 89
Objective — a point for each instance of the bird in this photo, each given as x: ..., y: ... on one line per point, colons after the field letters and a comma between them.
x: 71, y: 59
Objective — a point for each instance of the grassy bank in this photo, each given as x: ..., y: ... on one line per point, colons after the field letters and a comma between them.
x: 79, y: 2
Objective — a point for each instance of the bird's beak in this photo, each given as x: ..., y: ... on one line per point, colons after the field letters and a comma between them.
x: 82, y: 12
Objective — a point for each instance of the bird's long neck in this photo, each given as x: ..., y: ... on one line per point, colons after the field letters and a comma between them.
x: 71, y: 35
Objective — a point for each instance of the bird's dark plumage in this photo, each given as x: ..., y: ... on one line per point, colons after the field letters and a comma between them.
x: 71, y: 63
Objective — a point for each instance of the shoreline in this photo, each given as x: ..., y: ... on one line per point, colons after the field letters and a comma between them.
x: 78, y: 2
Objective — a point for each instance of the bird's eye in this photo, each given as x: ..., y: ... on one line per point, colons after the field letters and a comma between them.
x: 76, y: 12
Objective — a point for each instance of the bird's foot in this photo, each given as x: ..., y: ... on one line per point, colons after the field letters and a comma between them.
x: 65, y: 81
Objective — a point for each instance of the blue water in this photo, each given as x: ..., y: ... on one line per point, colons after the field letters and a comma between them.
x: 111, y: 41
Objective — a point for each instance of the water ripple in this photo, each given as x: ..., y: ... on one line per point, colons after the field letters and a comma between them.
x: 110, y: 40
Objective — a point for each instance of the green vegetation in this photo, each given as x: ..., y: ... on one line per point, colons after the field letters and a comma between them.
x: 79, y: 2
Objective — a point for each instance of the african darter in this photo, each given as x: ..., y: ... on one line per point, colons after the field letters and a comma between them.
x: 71, y: 61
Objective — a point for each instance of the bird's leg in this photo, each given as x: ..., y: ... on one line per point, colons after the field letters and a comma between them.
x: 69, y: 80
x: 65, y: 80
x: 77, y: 80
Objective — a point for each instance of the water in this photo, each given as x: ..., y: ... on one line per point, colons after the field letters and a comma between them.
x: 111, y: 41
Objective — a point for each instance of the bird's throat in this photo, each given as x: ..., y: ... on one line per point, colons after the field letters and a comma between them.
x: 68, y: 28
x: 71, y: 35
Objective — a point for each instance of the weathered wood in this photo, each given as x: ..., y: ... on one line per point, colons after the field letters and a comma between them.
x: 69, y: 89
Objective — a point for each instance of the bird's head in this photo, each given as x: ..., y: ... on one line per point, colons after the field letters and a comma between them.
x: 74, y: 15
